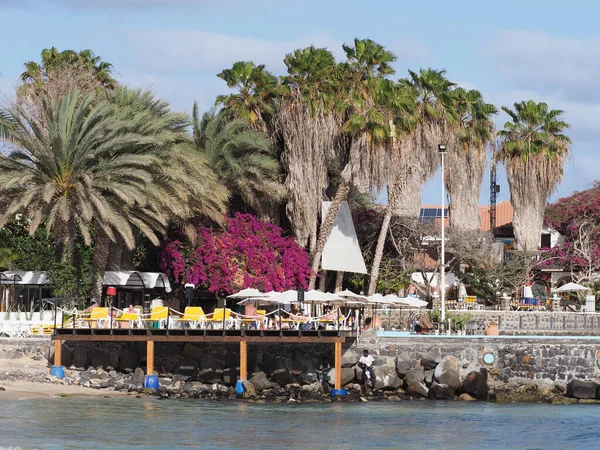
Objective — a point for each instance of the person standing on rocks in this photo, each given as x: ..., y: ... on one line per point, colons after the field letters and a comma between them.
x: 366, y: 364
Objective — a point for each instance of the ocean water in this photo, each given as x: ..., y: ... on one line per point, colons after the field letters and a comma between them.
x: 71, y: 423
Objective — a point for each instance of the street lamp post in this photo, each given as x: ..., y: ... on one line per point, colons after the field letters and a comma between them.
x: 442, y: 152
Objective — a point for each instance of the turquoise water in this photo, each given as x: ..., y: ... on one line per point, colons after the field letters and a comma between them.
x: 69, y: 423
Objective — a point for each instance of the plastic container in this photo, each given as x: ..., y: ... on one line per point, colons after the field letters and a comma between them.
x: 57, y: 371
x: 239, y: 387
x: 339, y: 393
x: 151, y: 382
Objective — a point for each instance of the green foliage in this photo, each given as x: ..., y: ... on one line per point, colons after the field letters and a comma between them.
x: 23, y: 251
x: 458, y: 320
x: 480, y: 281
x: 70, y: 281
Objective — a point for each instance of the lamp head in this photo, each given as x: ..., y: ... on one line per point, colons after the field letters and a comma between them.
x: 441, y: 148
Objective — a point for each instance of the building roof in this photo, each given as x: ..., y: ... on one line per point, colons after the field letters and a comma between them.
x: 504, y: 214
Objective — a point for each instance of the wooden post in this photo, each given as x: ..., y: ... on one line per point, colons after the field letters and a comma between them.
x: 58, y: 353
x: 150, y: 358
x: 243, y: 360
x: 338, y: 365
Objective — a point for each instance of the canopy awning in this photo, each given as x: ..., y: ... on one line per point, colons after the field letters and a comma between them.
x: 134, y: 279
x: 23, y: 277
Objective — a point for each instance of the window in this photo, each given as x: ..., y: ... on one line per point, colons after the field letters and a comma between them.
x: 546, y: 241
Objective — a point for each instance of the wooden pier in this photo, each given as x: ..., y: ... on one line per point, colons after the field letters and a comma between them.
x: 243, y: 337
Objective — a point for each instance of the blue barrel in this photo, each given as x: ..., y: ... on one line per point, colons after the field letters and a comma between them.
x: 339, y: 393
x: 151, y: 382
x: 57, y: 371
x: 239, y: 387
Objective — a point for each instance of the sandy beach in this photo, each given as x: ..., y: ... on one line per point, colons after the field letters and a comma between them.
x: 19, y: 390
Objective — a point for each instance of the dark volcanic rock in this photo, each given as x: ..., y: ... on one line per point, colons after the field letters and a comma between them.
x: 99, y: 358
x: 582, y: 389
x: 387, y: 378
x: 188, y: 367
x: 440, y: 392
x: 138, y: 376
x: 428, y: 363
x: 129, y: 358
x: 80, y: 357
x: 210, y: 370
x: 475, y: 384
x: 192, y: 351
x: 260, y: 381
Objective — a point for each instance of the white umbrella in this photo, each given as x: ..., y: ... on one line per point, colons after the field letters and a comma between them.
x: 316, y: 296
x: 352, y: 296
x: 378, y: 299
x: 258, y: 301
x: 572, y: 287
x: 247, y: 293
x: 412, y: 302
x: 286, y: 298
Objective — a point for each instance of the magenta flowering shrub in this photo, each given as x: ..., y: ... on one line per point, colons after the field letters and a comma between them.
x: 566, y: 216
x: 246, y: 253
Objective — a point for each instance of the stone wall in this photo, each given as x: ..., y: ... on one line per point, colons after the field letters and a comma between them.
x: 538, y: 359
x: 512, y: 322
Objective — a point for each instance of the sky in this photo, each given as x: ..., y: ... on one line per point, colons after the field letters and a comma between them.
x: 511, y: 50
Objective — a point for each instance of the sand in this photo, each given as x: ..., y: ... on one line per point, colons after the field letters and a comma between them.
x: 19, y: 390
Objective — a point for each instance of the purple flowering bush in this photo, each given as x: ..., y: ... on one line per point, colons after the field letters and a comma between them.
x: 245, y: 253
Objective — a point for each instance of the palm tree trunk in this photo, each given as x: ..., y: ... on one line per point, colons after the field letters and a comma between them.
x: 394, y: 195
x: 99, y: 261
x: 340, y: 196
x: 115, y: 254
x: 323, y: 281
x: 127, y: 258
x: 464, y: 190
x: 339, y: 280
x: 65, y: 242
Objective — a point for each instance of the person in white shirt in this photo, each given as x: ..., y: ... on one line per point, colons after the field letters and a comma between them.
x: 366, y: 364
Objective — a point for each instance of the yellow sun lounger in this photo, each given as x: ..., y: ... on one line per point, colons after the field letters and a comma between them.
x: 159, y: 314
x: 194, y: 316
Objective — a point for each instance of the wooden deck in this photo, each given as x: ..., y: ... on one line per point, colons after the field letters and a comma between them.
x: 192, y: 335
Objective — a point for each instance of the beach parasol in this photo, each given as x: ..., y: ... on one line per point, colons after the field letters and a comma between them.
x: 247, y: 293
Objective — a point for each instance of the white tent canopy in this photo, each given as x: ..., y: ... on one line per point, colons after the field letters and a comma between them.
x: 24, y: 277
x: 286, y: 298
x: 134, y: 279
x: 352, y: 296
x: 572, y: 287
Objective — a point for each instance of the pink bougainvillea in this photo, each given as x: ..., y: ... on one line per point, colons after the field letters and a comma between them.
x: 246, y: 253
x: 566, y: 216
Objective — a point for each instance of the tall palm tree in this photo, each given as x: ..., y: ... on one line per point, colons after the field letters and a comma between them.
x: 243, y: 160
x: 467, y: 156
x: 252, y: 98
x: 431, y: 120
x: 309, y: 130
x: 36, y: 74
x: 534, y: 148
x: 367, y: 124
x: 181, y: 185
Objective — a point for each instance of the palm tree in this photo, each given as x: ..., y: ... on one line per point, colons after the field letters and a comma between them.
x: 96, y: 168
x: 534, y: 148
x: 52, y: 59
x: 431, y: 120
x: 367, y: 125
x: 253, y: 97
x: 467, y: 156
x: 181, y: 185
x: 244, y: 160
x: 309, y: 130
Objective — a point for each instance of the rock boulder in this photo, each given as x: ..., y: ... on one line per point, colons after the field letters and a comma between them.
x: 475, y: 384
x: 260, y: 381
x: 582, y: 389
x: 129, y: 358
x: 440, y: 392
x: 404, y: 364
x: 448, y: 372
x: 415, y: 374
x: 417, y: 389
x: 387, y: 378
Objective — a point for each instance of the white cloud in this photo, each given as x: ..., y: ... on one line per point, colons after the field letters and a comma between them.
x: 565, y: 67
x: 172, y: 50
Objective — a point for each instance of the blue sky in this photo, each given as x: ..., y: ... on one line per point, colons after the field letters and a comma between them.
x: 511, y: 50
